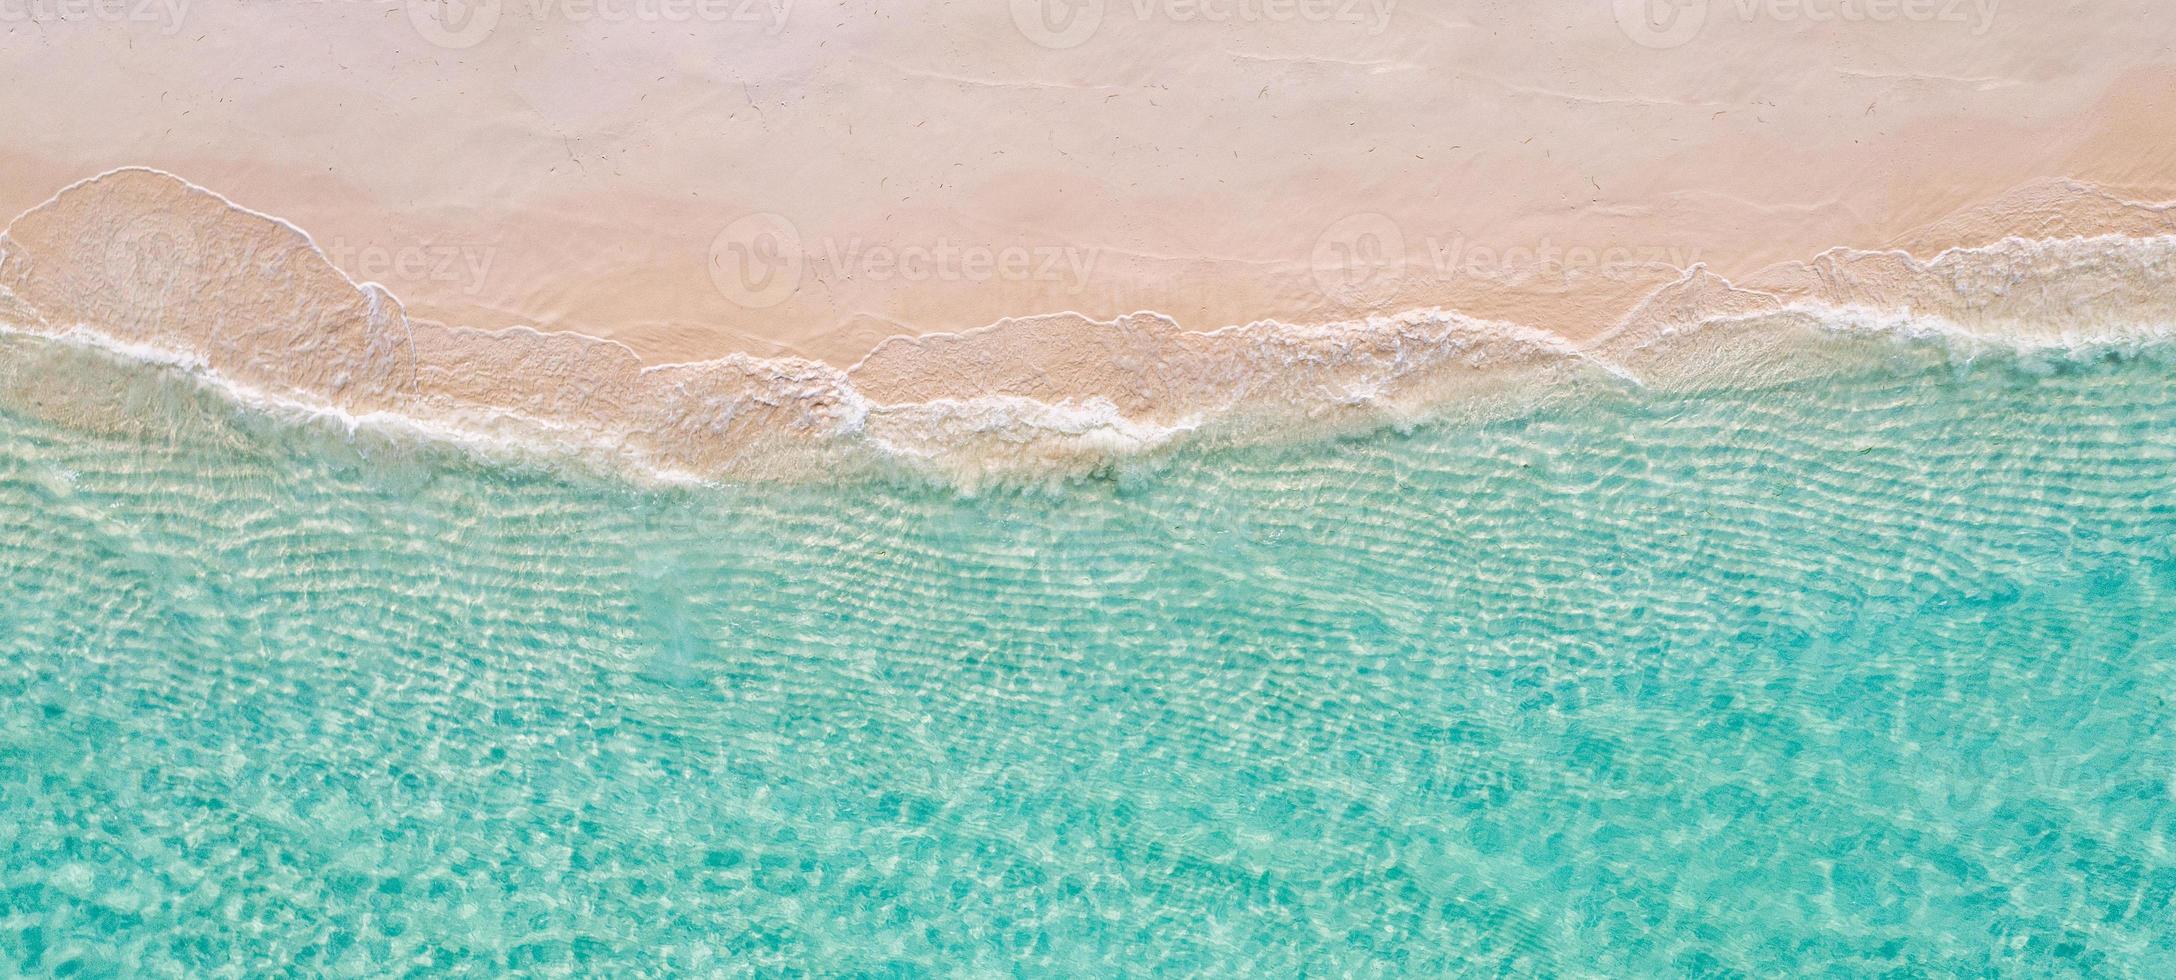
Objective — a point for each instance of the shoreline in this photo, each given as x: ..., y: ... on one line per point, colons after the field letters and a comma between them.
x: 151, y: 266
x: 813, y: 184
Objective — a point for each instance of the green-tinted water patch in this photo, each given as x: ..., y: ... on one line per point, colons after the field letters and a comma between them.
x: 1858, y: 676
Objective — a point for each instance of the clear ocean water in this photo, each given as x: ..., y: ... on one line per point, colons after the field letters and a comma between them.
x: 1869, y: 675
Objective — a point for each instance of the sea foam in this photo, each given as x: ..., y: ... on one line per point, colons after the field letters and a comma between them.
x: 154, y: 268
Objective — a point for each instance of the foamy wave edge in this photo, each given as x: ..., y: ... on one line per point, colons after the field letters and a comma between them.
x: 149, y: 267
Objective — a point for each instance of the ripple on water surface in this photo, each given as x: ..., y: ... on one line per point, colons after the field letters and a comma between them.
x: 1870, y: 674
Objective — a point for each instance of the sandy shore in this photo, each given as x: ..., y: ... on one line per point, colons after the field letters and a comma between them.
x: 694, y: 179
x: 150, y: 266
x: 728, y: 239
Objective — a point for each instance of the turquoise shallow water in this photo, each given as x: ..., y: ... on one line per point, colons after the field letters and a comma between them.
x: 1870, y: 675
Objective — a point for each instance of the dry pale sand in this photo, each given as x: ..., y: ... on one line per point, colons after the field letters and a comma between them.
x: 917, y: 168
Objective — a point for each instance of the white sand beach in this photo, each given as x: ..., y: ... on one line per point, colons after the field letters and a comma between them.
x: 808, y: 178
